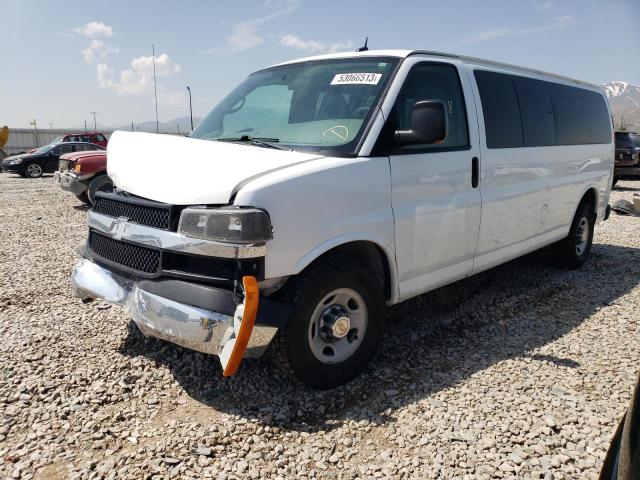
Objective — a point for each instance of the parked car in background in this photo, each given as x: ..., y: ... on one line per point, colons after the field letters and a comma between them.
x: 84, y: 174
x: 44, y: 159
x: 627, y: 161
x: 96, y: 138
x: 322, y: 190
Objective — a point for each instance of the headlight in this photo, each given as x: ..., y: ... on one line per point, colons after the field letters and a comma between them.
x: 16, y: 161
x: 232, y: 225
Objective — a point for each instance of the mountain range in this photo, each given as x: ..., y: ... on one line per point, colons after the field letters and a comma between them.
x: 177, y: 125
x: 624, y: 100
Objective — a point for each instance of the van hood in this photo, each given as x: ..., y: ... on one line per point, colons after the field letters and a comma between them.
x: 188, y: 171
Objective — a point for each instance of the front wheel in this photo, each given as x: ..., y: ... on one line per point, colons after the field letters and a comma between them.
x: 99, y: 184
x: 33, y: 170
x: 573, y: 251
x: 336, y: 324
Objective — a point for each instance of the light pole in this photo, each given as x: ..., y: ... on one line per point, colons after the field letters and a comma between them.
x: 95, y: 124
x: 50, y: 126
x: 190, y: 108
x: 155, y: 87
x: 85, y: 126
x: 35, y: 128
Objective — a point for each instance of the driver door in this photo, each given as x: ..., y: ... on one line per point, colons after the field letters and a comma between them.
x: 436, y: 202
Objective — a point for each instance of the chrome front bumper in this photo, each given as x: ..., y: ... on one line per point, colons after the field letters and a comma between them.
x: 69, y: 182
x: 185, y: 325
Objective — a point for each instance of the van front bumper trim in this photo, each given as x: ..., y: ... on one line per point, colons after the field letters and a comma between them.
x: 192, y: 327
x: 121, y: 229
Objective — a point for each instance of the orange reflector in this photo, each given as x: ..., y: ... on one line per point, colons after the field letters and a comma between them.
x: 251, y: 299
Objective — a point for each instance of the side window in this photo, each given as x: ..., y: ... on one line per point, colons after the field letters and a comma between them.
x: 100, y: 138
x: 65, y: 149
x: 85, y: 138
x: 71, y: 139
x: 538, y: 124
x: 581, y: 116
x: 500, y: 109
x: 434, y: 81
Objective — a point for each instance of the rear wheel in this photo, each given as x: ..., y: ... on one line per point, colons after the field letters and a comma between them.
x: 33, y: 170
x: 99, y: 184
x: 573, y: 251
x: 336, y: 325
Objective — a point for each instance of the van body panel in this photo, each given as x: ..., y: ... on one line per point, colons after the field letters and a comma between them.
x: 530, y: 194
x: 436, y: 210
x: 329, y: 202
x: 187, y: 171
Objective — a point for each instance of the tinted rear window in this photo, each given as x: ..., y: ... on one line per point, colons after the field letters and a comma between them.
x: 520, y: 111
x: 500, y: 109
x: 538, y: 124
x: 581, y: 116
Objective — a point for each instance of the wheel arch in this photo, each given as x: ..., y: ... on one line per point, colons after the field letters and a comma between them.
x: 369, y: 252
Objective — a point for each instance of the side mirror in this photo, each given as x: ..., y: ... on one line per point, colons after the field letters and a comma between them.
x: 428, y: 124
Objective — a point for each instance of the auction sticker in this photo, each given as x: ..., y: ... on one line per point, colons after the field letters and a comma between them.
x: 356, y: 79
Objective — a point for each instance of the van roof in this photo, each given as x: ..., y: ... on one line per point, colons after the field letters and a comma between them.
x: 464, y: 58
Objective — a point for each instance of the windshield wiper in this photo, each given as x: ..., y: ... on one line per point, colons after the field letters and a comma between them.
x: 260, y: 141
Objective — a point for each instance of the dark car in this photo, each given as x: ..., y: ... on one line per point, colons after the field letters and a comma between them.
x: 44, y: 159
x: 627, y: 161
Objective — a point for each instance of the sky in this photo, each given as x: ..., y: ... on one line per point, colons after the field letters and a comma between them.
x: 63, y: 59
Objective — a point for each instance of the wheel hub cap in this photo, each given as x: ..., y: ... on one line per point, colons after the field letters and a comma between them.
x: 334, y: 323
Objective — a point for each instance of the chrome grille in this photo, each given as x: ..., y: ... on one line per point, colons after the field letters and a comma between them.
x: 134, y: 257
x: 151, y: 216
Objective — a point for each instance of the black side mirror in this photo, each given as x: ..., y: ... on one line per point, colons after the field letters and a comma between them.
x: 428, y: 124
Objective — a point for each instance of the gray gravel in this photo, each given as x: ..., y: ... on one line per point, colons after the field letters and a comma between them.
x: 521, y: 372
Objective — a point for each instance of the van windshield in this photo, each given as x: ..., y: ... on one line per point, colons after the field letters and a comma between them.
x: 309, y: 106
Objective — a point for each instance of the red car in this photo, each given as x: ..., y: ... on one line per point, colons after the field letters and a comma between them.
x: 84, y: 174
x: 96, y: 138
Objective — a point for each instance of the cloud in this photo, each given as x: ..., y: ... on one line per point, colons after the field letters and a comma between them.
x: 94, y: 30
x: 247, y: 34
x: 512, y: 32
x: 97, y: 50
x: 564, y: 18
x: 164, y: 66
x: 137, y: 80
x: 314, y: 46
x: 542, y: 4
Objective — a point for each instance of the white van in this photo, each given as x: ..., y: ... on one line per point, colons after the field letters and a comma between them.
x: 322, y: 189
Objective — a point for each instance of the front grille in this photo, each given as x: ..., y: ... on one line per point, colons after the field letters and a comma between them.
x: 151, y: 216
x: 128, y: 255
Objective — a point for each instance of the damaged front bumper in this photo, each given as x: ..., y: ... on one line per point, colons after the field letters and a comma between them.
x: 198, y: 317
x: 69, y: 182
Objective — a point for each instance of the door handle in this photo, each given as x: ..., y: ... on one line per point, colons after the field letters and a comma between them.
x: 475, y: 172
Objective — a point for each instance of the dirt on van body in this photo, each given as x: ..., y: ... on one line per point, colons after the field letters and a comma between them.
x: 520, y: 372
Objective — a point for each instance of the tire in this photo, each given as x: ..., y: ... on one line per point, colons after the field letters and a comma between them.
x: 324, y: 292
x: 84, y: 198
x: 572, y: 252
x: 101, y: 183
x: 33, y: 170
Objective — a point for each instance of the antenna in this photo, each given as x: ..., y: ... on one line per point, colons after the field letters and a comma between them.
x: 364, y: 48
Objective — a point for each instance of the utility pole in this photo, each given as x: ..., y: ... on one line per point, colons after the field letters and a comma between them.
x: 95, y: 124
x: 35, y: 129
x: 85, y: 126
x: 50, y: 126
x: 132, y: 126
x: 155, y: 87
x: 190, y: 108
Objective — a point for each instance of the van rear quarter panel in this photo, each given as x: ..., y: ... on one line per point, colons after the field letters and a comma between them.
x: 530, y: 194
x: 321, y: 204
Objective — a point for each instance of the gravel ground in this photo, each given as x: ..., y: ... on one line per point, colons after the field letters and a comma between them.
x: 520, y: 372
